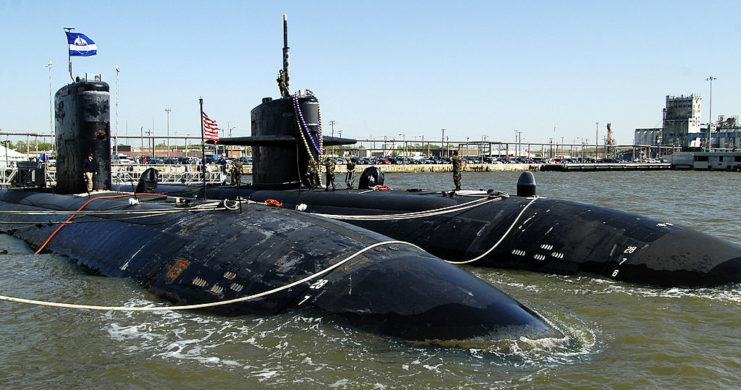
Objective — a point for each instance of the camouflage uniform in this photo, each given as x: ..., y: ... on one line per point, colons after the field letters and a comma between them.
x: 350, y: 176
x: 329, y: 165
x: 457, y: 165
x: 283, y: 84
x: 313, y: 174
x: 236, y: 172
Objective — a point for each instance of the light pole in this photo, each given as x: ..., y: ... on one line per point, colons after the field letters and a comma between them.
x: 152, y: 133
x: 115, y: 137
x: 149, y: 133
x: 710, y: 112
x: 331, y: 123
x: 51, y: 108
x: 442, y: 144
x: 141, y: 131
x: 404, y: 140
x: 342, y: 151
x: 168, y: 110
x: 596, y: 140
x: 7, y: 164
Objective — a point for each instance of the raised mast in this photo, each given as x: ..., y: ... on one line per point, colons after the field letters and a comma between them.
x: 286, y: 51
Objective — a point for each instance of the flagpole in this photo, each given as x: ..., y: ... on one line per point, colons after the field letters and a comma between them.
x: 69, y: 57
x: 203, y: 150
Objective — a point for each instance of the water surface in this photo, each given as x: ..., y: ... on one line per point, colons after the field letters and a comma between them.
x: 617, y: 335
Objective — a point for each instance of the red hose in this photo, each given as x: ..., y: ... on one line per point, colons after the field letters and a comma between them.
x: 80, y: 209
x: 274, y: 203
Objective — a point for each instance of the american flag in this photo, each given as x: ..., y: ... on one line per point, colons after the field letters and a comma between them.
x: 210, y: 129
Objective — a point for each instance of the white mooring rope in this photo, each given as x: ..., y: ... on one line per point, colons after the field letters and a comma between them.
x: 210, y: 304
x: 479, y: 257
x: 413, y: 214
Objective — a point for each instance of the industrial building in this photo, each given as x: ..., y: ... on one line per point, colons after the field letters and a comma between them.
x: 727, y: 134
x: 682, y: 121
x: 650, y: 136
x: 682, y: 127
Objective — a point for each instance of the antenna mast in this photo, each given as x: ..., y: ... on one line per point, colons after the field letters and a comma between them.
x: 286, y: 50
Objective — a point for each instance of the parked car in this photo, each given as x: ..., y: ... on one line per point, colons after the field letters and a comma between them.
x: 121, y: 159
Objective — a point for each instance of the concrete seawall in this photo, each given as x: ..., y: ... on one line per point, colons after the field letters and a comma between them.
x: 402, y: 168
x: 427, y: 168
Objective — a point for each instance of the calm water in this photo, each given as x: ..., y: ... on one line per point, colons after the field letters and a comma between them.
x: 618, y: 335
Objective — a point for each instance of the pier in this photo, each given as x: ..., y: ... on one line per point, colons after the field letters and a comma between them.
x: 605, y: 167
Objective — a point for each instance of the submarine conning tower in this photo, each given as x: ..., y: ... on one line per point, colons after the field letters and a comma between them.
x: 286, y: 134
x: 83, y: 128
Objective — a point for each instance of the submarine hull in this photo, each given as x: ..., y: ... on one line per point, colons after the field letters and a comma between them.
x: 247, y: 258
x: 537, y: 234
x: 192, y: 257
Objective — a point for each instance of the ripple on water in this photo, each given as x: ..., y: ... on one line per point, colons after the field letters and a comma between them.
x: 615, y: 335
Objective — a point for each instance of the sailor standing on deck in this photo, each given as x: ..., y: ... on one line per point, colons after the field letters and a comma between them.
x: 457, y: 165
x: 236, y: 172
x: 312, y: 174
x: 329, y: 165
x: 350, y: 176
x: 89, y: 168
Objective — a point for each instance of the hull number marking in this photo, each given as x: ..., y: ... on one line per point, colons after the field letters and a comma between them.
x: 318, y: 284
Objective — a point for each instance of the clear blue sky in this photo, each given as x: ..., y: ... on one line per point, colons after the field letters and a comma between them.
x: 383, y: 68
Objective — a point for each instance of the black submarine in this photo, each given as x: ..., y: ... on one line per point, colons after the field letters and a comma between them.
x: 258, y: 259
x: 488, y: 228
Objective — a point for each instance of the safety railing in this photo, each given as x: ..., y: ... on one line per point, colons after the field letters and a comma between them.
x: 7, y: 175
x: 123, y: 174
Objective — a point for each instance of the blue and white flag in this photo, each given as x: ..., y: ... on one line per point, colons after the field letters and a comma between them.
x: 80, y: 45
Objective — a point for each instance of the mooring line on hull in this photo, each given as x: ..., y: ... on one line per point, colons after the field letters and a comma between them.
x: 210, y: 304
x: 144, y: 213
x: 479, y: 257
x: 80, y: 209
x: 414, y: 214
x: 94, y: 212
x: 148, y: 215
